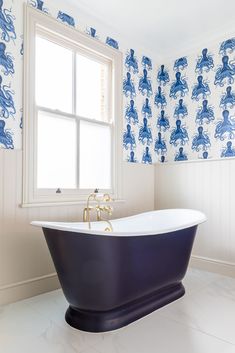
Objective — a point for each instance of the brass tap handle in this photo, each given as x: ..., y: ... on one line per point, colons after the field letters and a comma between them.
x: 85, y: 213
x: 95, y: 196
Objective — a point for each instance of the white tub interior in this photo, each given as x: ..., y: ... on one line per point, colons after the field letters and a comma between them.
x: 155, y: 222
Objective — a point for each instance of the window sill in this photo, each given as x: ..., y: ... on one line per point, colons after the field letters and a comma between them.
x: 64, y: 203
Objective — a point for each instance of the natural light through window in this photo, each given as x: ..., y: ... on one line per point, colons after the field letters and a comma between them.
x: 54, y: 70
x: 92, y: 99
x: 73, y: 113
x: 95, y: 154
x: 57, y: 152
x: 65, y: 160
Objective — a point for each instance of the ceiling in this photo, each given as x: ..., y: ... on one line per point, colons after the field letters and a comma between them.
x: 167, y: 27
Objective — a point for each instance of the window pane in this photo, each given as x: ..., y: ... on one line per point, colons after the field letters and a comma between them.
x: 95, y: 156
x: 54, y: 68
x: 92, y: 80
x: 57, y: 145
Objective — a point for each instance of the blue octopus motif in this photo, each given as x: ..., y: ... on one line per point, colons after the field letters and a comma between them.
x: 145, y: 134
x: 146, y: 109
x: 131, y: 158
x: 128, y: 86
x: 131, y: 113
x: 179, y: 135
x: 181, y: 156
x: 22, y: 45
x: 180, y: 64
x: 131, y: 62
x: 228, y: 151
x: 225, y: 127
x: 64, y: 17
x: 204, y: 62
x: 205, y: 113
x: 160, y: 145
x: 92, y: 32
x: 200, y: 140
x: 6, y: 60
x: 163, y: 122
x: 227, y: 45
x: 200, y: 89
x: 160, y: 99
x: 180, y: 110
x: 163, y: 76
x: 228, y: 99
x: 39, y: 4
x: 205, y: 155
x: 225, y: 72
x: 178, y: 86
x: 112, y: 43
x: 128, y: 138
x: 7, y: 107
x: 147, y: 63
x: 6, y: 24
x: 5, y: 136
x: 145, y: 86
x: 147, y: 159
x: 21, y: 119
x: 22, y: 48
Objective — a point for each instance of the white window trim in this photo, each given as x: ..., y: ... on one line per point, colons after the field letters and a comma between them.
x: 34, y: 19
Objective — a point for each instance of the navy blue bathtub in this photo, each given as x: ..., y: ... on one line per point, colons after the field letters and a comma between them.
x: 113, y: 279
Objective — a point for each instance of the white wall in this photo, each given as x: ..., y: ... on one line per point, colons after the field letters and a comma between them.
x: 209, y: 187
x: 26, y: 267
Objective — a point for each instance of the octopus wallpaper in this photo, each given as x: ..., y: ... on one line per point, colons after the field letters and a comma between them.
x: 178, y: 111
x: 200, y: 101
x: 190, y: 102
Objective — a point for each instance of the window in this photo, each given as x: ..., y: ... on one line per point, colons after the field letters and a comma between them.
x: 72, y: 113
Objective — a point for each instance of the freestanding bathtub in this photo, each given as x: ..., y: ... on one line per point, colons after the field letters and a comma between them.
x: 113, y: 279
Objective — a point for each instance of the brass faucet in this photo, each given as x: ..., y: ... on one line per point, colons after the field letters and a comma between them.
x: 95, y: 196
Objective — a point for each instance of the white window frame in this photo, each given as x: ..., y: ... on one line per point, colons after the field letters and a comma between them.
x: 37, y: 22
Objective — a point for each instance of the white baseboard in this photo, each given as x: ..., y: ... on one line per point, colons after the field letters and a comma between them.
x: 29, y: 288
x: 211, y: 265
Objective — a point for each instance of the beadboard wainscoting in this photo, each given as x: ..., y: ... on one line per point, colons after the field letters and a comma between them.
x: 26, y: 268
x: 210, y: 188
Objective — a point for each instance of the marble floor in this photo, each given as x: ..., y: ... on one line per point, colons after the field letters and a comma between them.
x: 203, y: 321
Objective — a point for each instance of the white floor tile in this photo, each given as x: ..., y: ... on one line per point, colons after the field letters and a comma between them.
x: 154, y: 334
x: 210, y: 310
x: 196, y: 280
x: 19, y: 320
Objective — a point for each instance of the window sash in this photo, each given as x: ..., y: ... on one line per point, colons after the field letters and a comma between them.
x: 77, y: 49
x: 78, y: 190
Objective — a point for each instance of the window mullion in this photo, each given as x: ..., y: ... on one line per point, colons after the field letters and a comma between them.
x: 72, y: 116
x: 75, y: 112
x: 78, y: 154
x: 55, y: 112
x: 74, y: 109
x: 94, y: 121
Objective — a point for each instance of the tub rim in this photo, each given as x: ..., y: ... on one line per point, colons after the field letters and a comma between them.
x: 64, y: 226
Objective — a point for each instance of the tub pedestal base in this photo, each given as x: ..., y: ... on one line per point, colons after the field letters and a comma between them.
x: 98, y: 321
